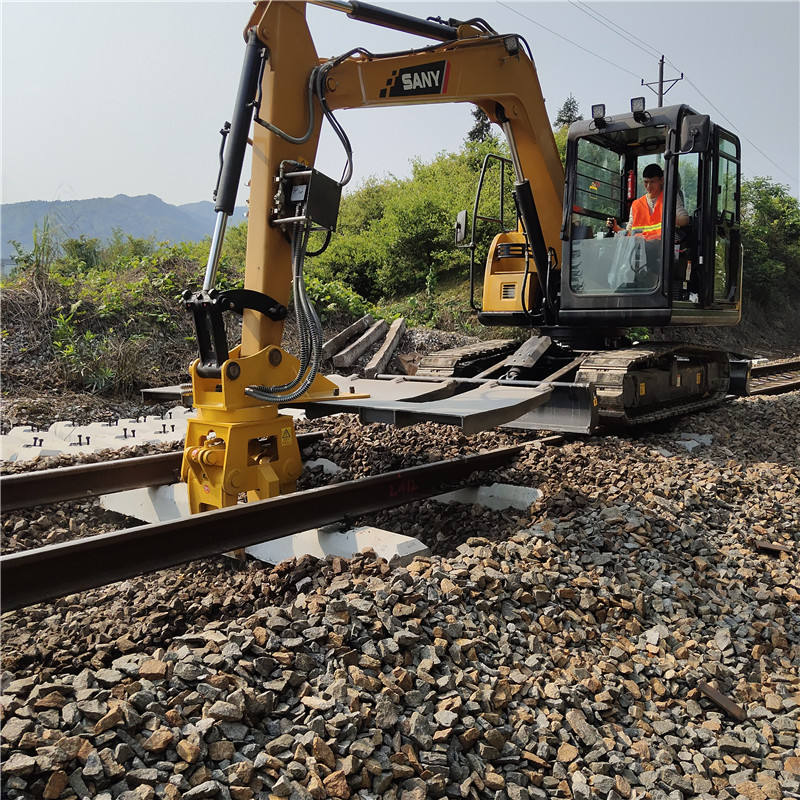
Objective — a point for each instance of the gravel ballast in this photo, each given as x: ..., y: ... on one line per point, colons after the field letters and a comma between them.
x: 568, y: 651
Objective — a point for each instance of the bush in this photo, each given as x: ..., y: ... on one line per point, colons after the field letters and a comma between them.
x: 333, y: 298
x: 395, y: 236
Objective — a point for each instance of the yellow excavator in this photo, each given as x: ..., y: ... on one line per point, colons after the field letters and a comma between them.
x: 556, y: 268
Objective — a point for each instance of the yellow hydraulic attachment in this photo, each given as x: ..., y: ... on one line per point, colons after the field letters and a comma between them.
x: 238, y: 444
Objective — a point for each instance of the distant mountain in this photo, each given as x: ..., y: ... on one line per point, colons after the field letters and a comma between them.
x: 143, y: 216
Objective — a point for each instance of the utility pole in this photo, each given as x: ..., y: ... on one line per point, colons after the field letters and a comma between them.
x: 660, y: 83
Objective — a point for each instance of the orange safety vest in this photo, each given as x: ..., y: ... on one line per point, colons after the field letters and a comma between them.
x: 643, y: 222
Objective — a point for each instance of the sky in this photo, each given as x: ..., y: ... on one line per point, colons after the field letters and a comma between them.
x: 104, y: 98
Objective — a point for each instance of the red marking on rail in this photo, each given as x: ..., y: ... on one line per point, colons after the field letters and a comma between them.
x: 402, y: 488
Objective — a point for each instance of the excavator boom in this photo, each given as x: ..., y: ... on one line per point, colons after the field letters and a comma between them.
x: 239, y: 443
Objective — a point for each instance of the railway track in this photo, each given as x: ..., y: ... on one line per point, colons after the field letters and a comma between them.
x: 40, y: 487
x: 203, y: 618
x: 48, y: 572
x: 45, y: 573
x: 775, y: 377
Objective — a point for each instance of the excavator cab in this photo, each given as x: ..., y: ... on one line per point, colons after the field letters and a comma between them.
x: 679, y: 272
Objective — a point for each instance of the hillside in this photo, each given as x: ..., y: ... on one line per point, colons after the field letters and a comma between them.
x: 144, y: 216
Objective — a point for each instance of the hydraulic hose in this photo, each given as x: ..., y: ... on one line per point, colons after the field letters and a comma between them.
x: 309, y: 327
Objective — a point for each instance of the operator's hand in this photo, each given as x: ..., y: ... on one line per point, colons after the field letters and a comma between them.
x: 612, y: 223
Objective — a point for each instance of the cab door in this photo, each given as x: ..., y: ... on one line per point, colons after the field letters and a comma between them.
x: 724, y: 253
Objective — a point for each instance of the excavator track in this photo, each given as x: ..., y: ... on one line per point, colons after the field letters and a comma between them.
x: 653, y: 382
x: 465, y: 361
x: 631, y: 386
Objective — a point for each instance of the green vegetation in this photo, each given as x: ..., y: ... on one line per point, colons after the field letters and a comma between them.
x: 568, y: 113
x: 771, y: 242
x: 395, y: 237
x: 108, y: 316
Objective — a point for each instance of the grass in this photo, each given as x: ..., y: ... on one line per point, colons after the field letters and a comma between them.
x: 445, y: 306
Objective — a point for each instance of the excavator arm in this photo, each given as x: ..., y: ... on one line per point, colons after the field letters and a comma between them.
x: 238, y: 442
x: 490, y: 70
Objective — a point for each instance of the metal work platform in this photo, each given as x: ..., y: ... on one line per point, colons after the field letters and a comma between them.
x: 473, y: 404
x: 402, y: 402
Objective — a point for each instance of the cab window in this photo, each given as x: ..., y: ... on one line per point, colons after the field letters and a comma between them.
x: 597, y: 187
x: 688, y: 169
x: 601, y: 264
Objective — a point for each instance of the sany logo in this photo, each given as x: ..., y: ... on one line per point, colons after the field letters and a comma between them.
x: 422, y: 79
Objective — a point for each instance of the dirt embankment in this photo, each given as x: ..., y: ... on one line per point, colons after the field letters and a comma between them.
x: 762, y: 333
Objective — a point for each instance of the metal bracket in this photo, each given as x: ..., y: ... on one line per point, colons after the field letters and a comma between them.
x: 207, y: 308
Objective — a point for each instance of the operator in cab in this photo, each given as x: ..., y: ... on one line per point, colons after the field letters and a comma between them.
x: 647, y: 210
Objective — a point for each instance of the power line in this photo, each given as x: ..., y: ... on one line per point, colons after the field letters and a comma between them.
x: 751, y: 143
x: 625, y: 35
x: 619, y: 30
x: 734, y: 127
x: 569, y: 41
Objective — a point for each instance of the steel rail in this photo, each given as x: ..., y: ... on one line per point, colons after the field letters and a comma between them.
x: 39, y: 487
x: 774, y: 377
x: 788, y: 381
x: 45, y: 573
x: 779, y: 365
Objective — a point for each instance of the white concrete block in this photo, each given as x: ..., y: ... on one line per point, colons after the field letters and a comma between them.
x: 65, y: 437
x: 23, y: 433
x: 76, y: 435
x: 9, y: 447
x: 322, y: 542
x: 151, y: 504
x: 497, y: 496
x: 48, y: 445
x: 103, y: 428
x: 171, y: 502
x: 294, y: 413
x: 63, y: 429
x: 80, y: 448
x: 98, y: 442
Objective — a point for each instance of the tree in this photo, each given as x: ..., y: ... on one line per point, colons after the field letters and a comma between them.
x: 568, y: 113
x: 770, y: 240
x: 482, y: 128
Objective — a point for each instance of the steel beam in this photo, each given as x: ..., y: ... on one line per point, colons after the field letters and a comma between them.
x: 35, y: 576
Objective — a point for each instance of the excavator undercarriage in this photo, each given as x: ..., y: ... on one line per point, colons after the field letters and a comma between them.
x: 625, y: 386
